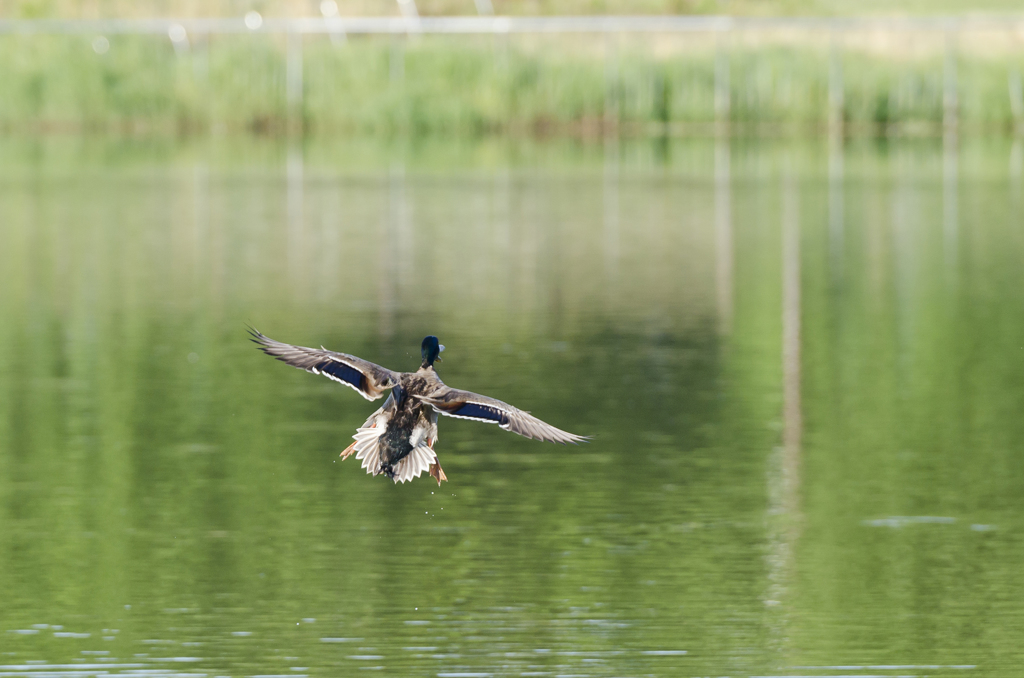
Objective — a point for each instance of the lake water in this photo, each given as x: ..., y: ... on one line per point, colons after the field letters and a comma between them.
x: 802, y: 363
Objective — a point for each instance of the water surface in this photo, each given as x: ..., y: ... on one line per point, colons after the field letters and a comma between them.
x: 801, y: 363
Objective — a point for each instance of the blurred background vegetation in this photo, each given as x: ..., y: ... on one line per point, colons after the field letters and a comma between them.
x: 873, y: 79
x: 190, y: 8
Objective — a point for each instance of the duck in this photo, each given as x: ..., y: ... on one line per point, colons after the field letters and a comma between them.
x: 397, y: 441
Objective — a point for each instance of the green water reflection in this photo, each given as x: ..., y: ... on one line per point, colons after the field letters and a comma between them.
x: 172, y: 501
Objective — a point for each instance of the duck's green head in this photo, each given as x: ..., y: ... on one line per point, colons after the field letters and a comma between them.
x: 431, y: 350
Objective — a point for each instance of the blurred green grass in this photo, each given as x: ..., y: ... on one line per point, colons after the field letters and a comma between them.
x: 480, y: 85
x: 76, y: 9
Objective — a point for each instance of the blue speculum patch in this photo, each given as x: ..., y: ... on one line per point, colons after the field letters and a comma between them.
x: 481, y: 412
x: 342, y: 371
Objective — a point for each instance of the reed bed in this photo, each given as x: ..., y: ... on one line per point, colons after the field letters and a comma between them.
x: 478, y: 85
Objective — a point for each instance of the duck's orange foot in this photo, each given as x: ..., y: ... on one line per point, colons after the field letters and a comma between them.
x: 347, y: 452
x: 437, y: 473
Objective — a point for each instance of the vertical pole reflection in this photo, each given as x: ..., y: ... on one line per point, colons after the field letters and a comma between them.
x: 836, y: 224
x: 784, y: 474
x: 201, y: 250
x: 723, y: 235
x: 950, y: 207
x: 296, y: 228
x: 792, y: 418
x: 611, y: 217
x: 503, y: 235
x: 1016, y: 169
x: 200, y: 205
x: 388, y: 277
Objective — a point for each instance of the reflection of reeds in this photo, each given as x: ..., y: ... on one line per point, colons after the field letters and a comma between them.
x: 472, y: 85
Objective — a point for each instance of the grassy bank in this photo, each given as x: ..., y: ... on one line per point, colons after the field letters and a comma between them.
x: 92, y: 9
x: 481, y: 85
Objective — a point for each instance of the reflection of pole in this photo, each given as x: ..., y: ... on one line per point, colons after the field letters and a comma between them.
x: 1016, y: 168
x: 836, y: 225
x: 503, y: 235
x: 611, y: 217
x: 784, y: 473
x: 405, y: 234
x: 388, y: 276
x: 950, y: 208
x: 792, y: 425
x: 296, y: 228
x: 201, y: 250
x: 723, y: 235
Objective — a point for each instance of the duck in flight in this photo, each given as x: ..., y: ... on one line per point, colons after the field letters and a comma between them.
x: 398, y: 439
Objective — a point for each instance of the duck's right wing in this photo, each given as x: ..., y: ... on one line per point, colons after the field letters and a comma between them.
x: 467, y: 405
x: 368, y: 379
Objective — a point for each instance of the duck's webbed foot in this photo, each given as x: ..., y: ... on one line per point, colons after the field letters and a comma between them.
x: 437, y: 473
x: 347, y: 452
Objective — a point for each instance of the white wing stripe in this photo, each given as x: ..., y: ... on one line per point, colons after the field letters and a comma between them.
x: 494, y: 406
x: 459, y: 416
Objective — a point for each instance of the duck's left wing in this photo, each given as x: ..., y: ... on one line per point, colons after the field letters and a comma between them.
x: 466, y: 405
x: 369, y: 379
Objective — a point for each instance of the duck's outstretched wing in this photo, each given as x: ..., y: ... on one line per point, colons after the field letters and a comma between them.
x: 466, y: 405
x: 369, y: 379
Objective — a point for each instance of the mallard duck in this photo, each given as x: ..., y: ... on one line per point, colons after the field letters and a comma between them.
x: 398, y: 439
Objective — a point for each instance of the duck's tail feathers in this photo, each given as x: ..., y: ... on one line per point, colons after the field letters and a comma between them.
x: 414, y: 464
x: 367, y: 450
x: 367, y: 443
